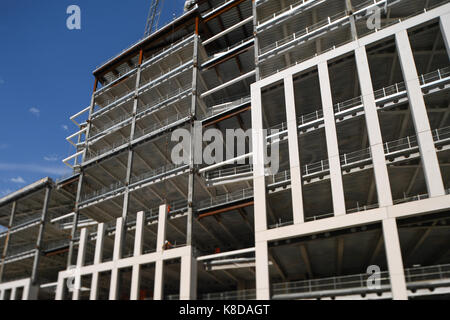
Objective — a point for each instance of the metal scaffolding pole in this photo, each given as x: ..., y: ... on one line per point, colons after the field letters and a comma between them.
x: 8, y: 237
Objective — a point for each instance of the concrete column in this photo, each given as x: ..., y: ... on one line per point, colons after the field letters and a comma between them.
x: 337, y: 187
x: 2, y: 295
x: 94, y: 286
x: 262, y: 271
x: 158, y: 292
x: 117, y: 255
x: 138, y: 245
x: 13, y: 293
x: 37, y: 256
x: 8, y: 237
x: 188, y: 277
x: 373, y: 129
x: 445, y: 30
x: 114, y: 285
x: 159, y: 265
x: 394, y: 259
x: 294, y: 154
x: 80, y: 262
x: 98, y: 255
x: 258, y: 145
x: 419, y: 114
x: 135, y: 282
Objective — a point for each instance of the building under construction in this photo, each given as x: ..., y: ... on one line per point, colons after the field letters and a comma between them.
x: 354, y: 97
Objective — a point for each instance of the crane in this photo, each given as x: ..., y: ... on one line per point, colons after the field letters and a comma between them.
x: 153, y: 17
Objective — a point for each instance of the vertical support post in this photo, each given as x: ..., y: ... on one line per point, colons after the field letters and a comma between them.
x: 255, y: 35
x: 138, y: 245
x: 394, y: 259
x: 349, y: 8
x: 337, y: 186
x: 98, y: 255
x: 258, y: 145
x: 13, y: 293
x: 373, y: 129
x: 76, y: 217
x: 117, y: 255
x: 262, y: 271
x: 34, y: 272
x: 159, y: 265
x: 194, y: 137
x: 80, y: 263
x: 8, y: 237
x: 419, y: 114
x: 294, y: 154
x: 445, y: 31
x: 188, y: 279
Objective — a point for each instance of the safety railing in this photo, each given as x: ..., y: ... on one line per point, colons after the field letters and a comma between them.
x: 221, y: 52
x: 225, y: 198
x: 355, y: 157
x: 101, y: 192
x: 164, y: 123
x: 224, y: 106
x: 156, y: 172
x: 441, y: 134
x: 293, y: 6
x: 91, y: 154
x: 400, y: 145
x: 437, y: 75
x: 108, y: 125
x: 299, y: 34
x: 155, y: 104
x: 231, y: 295
x: 349, y: 104
x: 238, y: 170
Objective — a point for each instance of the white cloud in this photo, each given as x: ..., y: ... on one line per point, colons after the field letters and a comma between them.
x: 18, y: 180
x: 35, y: 111
x: 51, y: 158
x: 51, y: 170
x: 65, y: 127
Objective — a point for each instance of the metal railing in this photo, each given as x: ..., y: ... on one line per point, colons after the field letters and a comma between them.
x: 224, y: 106
x: 156, y: 172
x: 225, y: 198
x: 115, y: 187
x: 231, y: 295
x: 164, y: 123
x: 280, y: 12
x: 241, y: 169
x: 299, y: 34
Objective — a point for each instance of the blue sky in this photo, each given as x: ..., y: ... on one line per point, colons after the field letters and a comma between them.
x: 46, y: 76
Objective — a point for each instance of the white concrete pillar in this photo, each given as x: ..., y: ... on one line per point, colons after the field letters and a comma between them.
x: 139, y: 234
x: 135, y: 282
x: 262, y: 271
x: 94, y: 286
x: 158, y: 293
x: 114, y: 285
x: 394, y: 259
x: 98, y: 255
x: 2, y: 295
x: 80, y: 262
x: 419, y: 114
x: 162, y: 222
x: 13, y: 293
x: 373, y: 129
x: 117, y: 255
x: 188, y: 277
x: 445, y: 30
x: 337, y: 186
x: 138, y: 245
x: 294, y: 154
x: 59, y: 289
x: 258, y: 145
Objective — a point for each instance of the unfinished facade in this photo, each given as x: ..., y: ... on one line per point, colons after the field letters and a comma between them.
x: 353, y: 94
